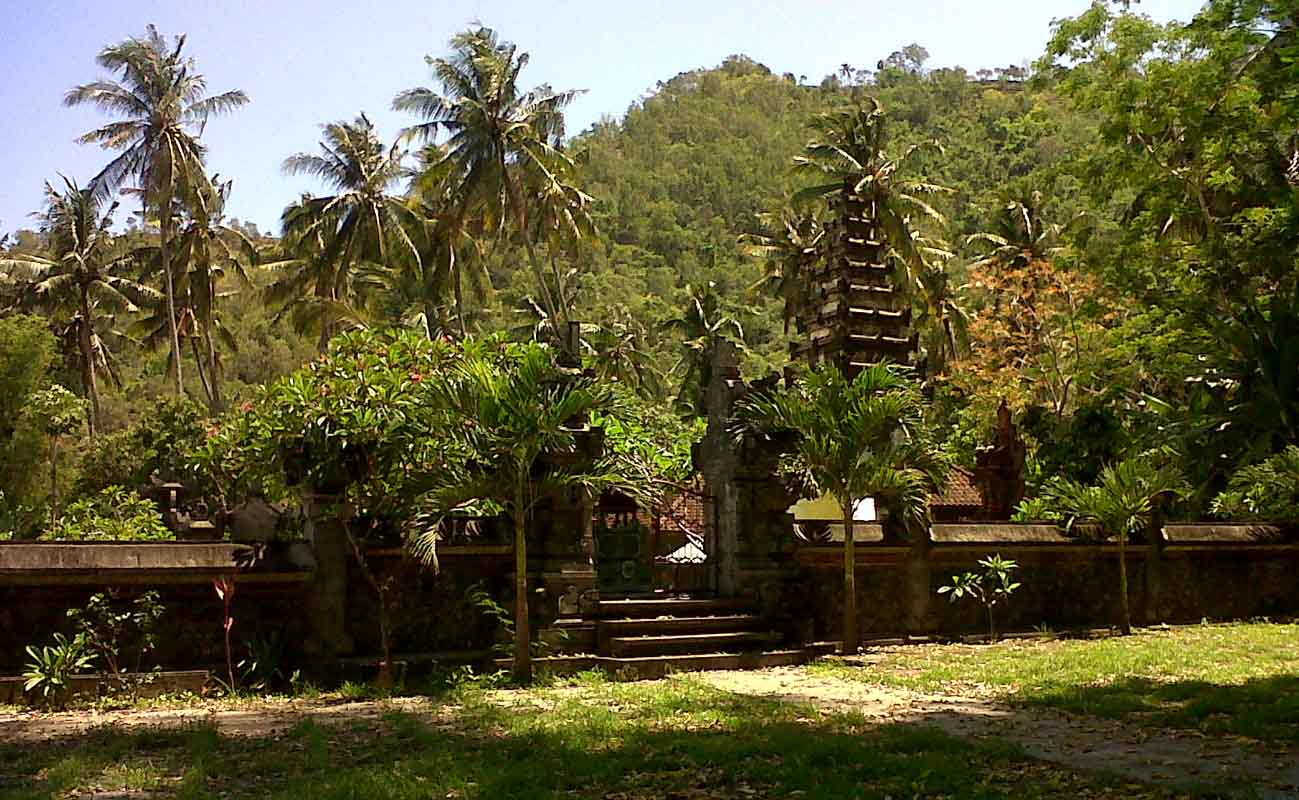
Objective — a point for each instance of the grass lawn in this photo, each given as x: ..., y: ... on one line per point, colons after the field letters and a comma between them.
x: 1239, y: 678
x: 668, y: 739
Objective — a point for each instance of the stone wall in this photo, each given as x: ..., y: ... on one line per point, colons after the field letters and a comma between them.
x: 1185, y: 574
x: 273, y: 592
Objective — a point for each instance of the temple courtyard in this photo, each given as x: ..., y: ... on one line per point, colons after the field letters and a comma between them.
x: 1199, y: 710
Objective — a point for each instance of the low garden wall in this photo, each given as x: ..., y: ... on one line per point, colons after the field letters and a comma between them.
x: 273, y: 592
x: 1187, y: 573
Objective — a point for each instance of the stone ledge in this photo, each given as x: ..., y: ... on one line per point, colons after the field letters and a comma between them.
x: 998, y: 533
x: 1226, y: 533
x: 169, y: 562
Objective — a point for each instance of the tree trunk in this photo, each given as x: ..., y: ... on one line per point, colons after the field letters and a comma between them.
x: 458, y: 292
x: 850, y: 638
x: 385, y: 677
x: 164, y: 246
x: 202, y: 376
x: 1126, y: 621
x: 522, y: 627
x: 521, y: 219
x: 992, y: 626
x: 54, y: 481
x: 88, y: 363
x: 214, y: 380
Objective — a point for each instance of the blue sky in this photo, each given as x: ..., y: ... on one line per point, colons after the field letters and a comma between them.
x: 304, y: 62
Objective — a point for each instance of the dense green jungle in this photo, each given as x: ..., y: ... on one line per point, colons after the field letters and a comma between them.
x: 1105, y: 240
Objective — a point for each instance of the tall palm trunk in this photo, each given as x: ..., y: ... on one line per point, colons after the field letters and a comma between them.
x: 214, y: 380
x: 850, y: 638
x: 88, y: 362
x: 1126, y: 619
x: 521, y: 219
x: 54, y: 481
x: 164, y: 245
x: 522, y: 627
x: 202, y: 376
x: 459, y: 293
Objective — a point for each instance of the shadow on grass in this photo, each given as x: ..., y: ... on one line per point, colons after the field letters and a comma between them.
x: 1264, y: 708
x: 675, y: 739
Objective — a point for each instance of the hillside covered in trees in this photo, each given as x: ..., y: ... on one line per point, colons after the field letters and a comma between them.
x: 1106, y: 242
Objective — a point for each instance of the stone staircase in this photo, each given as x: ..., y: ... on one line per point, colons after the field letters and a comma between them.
x: 657, y: 626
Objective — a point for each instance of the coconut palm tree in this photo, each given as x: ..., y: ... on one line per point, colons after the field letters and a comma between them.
x: 562, y: 220
x: 788, y: 245
x: 848, y: 154
x: 942, y: 319
x: 206, y: 251
x: 852, y: 439
x: 704, y: 319
x: 621, y: 354
x: 522, y: 423
x: 76, y: 279
x: 329, y: 239
x: 496, y: 135
x: 450, y: 243
x: 160, y: 100
x: 1122, y: 502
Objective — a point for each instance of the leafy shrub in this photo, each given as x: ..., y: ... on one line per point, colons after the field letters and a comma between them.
x: 117, y: 633
x: 52, y: 666
x: 362, y: 410
x: 1267, y: 491
x: 1037, y: 509
x: 159, y: 445
x: 989, y: 587
x: 114, y: 514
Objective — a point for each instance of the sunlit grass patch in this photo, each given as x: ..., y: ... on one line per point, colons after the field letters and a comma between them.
x: 586, y: 738
x: 1240, y: 678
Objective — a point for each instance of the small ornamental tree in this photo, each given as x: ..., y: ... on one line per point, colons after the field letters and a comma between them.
x: 361, y: 423
x: 989, y: 587
x: 59, y: 413
x: 851, y: 439
x: 1122, y: 501
x: 521, y: 420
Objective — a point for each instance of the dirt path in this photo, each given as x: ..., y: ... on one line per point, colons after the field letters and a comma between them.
x: 256, y: 719
x: 1177, y: 758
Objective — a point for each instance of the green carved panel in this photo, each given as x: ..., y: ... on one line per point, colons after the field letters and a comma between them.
x: 623, y: 563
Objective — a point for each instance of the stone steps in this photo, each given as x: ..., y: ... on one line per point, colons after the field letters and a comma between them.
x: 661, y: 626
x: 691, y: 643
x: 652, y: 607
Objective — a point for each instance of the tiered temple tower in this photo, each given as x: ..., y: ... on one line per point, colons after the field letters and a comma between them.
x: 853, y: 314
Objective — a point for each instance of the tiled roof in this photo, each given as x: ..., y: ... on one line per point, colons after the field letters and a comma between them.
x: 960, y: 491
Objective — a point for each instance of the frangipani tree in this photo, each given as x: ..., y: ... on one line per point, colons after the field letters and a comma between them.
x: 852, y: 439
x: 1122, y: 501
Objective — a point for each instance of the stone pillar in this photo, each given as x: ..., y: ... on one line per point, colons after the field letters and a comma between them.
x: 717, y: 459
x: 1154, y: 547
x: 917, y: 619
x: 327, y: 607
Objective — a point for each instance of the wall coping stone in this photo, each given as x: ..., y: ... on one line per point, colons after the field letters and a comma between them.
x: 52, y: 558
x: 1226, y: 533
x: 999, y: 533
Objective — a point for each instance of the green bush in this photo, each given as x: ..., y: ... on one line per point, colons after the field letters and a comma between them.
x: 159, y: 445
x: 114, y: 514
x: 1267, y: 491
